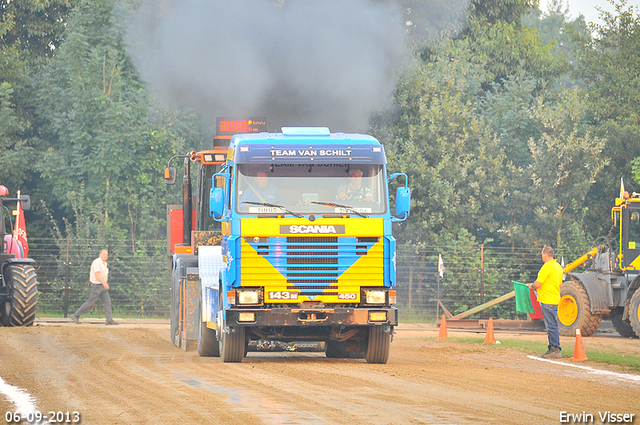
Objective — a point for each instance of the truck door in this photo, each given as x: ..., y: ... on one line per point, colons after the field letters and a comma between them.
x: 631, y: 237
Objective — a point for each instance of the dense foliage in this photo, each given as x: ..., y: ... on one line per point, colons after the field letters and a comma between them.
x: 504, y: 135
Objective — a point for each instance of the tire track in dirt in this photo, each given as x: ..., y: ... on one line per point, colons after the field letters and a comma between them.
x: 132, y: 374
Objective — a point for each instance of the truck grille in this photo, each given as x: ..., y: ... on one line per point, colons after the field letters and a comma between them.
x: 313, y: 263
x: 304, y: 253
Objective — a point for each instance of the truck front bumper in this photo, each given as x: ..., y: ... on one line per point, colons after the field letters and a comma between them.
x: 312, y: 317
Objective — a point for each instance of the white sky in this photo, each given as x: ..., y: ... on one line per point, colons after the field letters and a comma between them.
x: 588, y: 8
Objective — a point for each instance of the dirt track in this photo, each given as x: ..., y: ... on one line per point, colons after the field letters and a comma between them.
x: 131, y: 374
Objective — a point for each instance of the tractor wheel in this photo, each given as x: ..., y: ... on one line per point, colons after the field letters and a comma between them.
x: 622, y: 326
x: 378, y: 345
x: 634, y: 312
x: 574, y: 311
x: 233, y: 345
x: 207, y: 342
x: 23, y: 283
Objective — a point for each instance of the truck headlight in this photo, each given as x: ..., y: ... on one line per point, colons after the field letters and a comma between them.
x: 248, y: 297
x: 375, y: 297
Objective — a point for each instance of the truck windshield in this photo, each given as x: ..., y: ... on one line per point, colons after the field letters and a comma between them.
x: 298, y: 188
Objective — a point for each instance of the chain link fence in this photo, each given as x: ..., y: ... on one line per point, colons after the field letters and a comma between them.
x: 140, y: 281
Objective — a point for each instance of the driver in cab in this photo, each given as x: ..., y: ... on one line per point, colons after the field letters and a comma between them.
x: 354, y: 191
x: 262, y: 191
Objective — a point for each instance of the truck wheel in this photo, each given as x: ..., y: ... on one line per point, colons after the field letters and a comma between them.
x: 232, y: 345
x: 207, y: 342
x: 379, y: 345
x: 622, y: 326
x: 22, y: 280
x: 574, y: 311
x: 634, y: 312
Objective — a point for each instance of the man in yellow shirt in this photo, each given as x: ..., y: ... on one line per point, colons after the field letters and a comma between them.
x: 547, y: 287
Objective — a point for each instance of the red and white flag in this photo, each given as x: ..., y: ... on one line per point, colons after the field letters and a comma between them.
x: 20, y: 231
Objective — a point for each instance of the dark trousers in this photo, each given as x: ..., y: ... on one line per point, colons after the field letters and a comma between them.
x: 550, y: 316
x: 97, y: 291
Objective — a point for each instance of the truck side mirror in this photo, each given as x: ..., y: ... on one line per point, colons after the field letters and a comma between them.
x: 403, y: 198
x: 403, y: 202
x: 170, y: 175
x: 25, y: 202
x: 216, y: 202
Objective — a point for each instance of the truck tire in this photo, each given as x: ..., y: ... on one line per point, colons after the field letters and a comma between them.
x: 207, y: 342
x: 23, y: 283
x: 378, y: 345
x: 634, y: 312
x: 233, y: 345
x: 574, y: 311
x: 622, y: 326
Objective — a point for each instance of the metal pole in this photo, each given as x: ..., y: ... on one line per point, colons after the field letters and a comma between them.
x: 66, y: 282
x: 2, y: 228
x: 438, y: 301
x: 187, y: 205
x: 482, y: 278
x: 484, y: 306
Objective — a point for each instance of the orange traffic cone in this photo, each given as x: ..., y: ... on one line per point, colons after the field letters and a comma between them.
x: 578, y: 352
x: 490, y: 338
x: 443, y: 327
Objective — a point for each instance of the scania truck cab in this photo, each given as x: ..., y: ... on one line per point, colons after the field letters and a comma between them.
x: 307, y: 251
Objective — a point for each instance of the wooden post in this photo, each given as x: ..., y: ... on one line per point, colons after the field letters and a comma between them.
x: 482, y: 278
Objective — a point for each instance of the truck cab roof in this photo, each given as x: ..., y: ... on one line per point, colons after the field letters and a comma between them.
x: 306, y: 145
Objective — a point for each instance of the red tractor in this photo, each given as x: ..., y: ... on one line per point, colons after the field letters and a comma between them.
x: 18, y: 281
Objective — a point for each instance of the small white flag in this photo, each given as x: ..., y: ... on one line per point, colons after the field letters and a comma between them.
x: 440, y: 266
x: 562, y: 265
x: 621, y: 188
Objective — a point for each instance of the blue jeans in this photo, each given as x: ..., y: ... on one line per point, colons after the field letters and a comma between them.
x: 550, y: 316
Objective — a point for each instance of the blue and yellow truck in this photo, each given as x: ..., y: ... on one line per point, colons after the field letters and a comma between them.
x: 305, y: 252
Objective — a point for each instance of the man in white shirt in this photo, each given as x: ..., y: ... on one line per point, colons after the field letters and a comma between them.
x: 98, y: 277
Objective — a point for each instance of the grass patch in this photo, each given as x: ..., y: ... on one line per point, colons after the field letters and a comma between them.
x: 604, y: 356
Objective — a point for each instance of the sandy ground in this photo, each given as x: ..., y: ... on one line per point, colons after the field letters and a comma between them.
x: 132, y: 374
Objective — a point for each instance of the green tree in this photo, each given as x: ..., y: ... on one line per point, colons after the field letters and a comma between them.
x: 509, y: 160
x: 608, y: 64
x: 15, y: 153
x: 100, y: 131
x: 500, y: 41
x: 30, y: 31
x: 35, y: 26
x: 446, y: 147
x: 554, y: 28
x: 566, y: 161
